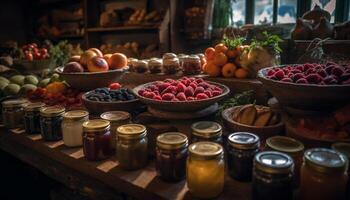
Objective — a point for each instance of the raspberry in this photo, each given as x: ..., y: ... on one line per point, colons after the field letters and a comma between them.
x: 201, y: 96
x: 186, y: 82
x: 270, y: 72
x: 330, y: 80
x: 272, y: 77
x: 279, y: 74
x: 149, y: 95
x: 295, y: 71
x: 310, y: 71
x: 170, y: 89
x: 216, y: 93
x: 204, y: 85
x: 168, y: 96
x: 189, y: 92
x: 169, y: 80
x: 216, y: 88
x: 344, y: 77
x: 199, y: 80
x: 181, y: 96
x: 180, y: 87
x: 298, y: 76
x: 300, y: 67
x: 152, y: 87
x: 287, y: 80
x: 192, y: 79
x: 163, y: 86
x: 337, y: 71
x: 329, y: 69
x: 190, y: 99
x: 308, y: 66
x: 313, y: 78
x: 140, y: 92
x: 198, y: 90
x: 302, y: 81
x: 193, y: 85
x: 322, y: 72
x: 157, y: 97
x: 175, y: 99
x: 208, y: 93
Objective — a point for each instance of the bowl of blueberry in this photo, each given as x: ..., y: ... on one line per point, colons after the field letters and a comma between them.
x: 106, y: 99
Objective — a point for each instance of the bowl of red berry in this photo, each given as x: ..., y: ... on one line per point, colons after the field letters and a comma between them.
x: 182, y: 95
x: 308, y: 86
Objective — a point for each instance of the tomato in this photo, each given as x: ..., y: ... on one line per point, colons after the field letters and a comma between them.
x: 29, y: 56
x: 37, y: 56
x: 114, y: 86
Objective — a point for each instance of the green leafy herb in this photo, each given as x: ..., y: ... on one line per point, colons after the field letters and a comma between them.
x: 269, y: 41
x: 233, y: 43
x: 243, y: 98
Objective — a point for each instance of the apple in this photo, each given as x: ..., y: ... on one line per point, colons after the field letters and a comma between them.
x: 97, y: 64
x: 73, y: 67
x: 117, y: 61
x: 97, y: 51
x: 86, y: 56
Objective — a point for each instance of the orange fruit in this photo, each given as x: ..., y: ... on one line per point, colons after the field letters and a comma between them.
x: 212, y: 70
x: 209, y: 53
x: 228, y: 70
x: 204, y: 67
x: 232, y: 53
x: 241, y: 73
x: 107, y: 57
x: 117, y: 61
x: 221, y: 48
x: 220, y: 59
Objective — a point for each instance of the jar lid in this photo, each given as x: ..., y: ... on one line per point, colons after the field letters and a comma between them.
x: 205, y: 150
x: 172, y: 140
x: 343, y: 148
x: 169, y: 55
x: 273, y: 162
x: 131, y: 131
x: 244, y: 140
x: 96, y: 125
x: 325, y: 160
x: 192, y: 58
x: 14, y: 103
x: 33, y: 106
x: 170, y: 61
x: 52, y: 111
x: 200, y: 55
x: 155, y: 62
x: 141, y: 63
x: 206, y: 129
x: 115, y: 116
x: 75, y: 115
x: 284, y: 144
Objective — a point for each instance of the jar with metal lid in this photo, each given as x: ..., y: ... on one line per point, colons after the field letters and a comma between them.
x: 171, y: 65
x: 116, y: 118
x: 205, y: 171
x: 241, y: 149
x: 72, y: 127
x: 171, y: 155
x: 202, y: 58
x: 132, y: 146
x: 169, y: 56
x: 155, y: 66
x: 140, y: 66
x: 131, y: 63
x: 32, y: 117
x: 323, y: 175
x: 50, y: 122
x: 97, y: 140
x: 344, y: 148
x: 206, y: 131
x: 12, y: 113
x: 191, y: 65
x: 182, y: 58
x: 272, y: 176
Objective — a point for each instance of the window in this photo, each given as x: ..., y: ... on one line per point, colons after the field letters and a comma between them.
x: 328, y: 5
x: 263, y: 11
x: 287, y: 11
x: 238, y: 9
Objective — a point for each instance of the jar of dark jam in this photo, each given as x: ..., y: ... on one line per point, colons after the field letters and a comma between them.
x: 241, y: 149
x: 191, y: 65
x: 12, y: 113
x: 206, y: 131
x: 140, y: 66
x: 171, y: 65
x: 344, y: 148
x: 171, y: 155
x: 132, y: 146
x: 32, y: 117
x: 155, y: 66
x: 272, y: 176
x: 97, y: 139
x: 50, y: 123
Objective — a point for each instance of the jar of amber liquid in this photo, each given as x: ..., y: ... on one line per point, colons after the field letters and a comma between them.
x: 72, y: 127
x: 206, y: 131
x: 97, y: 140
x: 171, y: 155
x: 171, y: 65
x: 323, y: 175
x: 205, y: 170
x: 241, y: 149
x: 32, y: 117
x: 272, y: 176
x: 132, y: 146
x: 344, y: 148
x: 191, y: 65
x: 12, y: 113
x: 50, y: 123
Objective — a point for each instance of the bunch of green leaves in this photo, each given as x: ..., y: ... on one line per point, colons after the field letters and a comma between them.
x: 243, y: 98
x: 232, y: 43
x: 61, y: 52
x: 269, y: 41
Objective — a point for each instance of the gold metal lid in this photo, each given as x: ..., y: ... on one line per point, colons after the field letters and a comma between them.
x: 52, y: 111
x: 131, y: 131
x: 192, y: 58
x: 33, y: 106
x: 172, y: 140
x: 325, y: 160
x: 343, y: 148
x: 169, y: 56
x: 170, y: 61
x: 273, y: 162
x: 115, y: 116
x: 96, y: 125
x: 75, y: 115
x: 244, y: 140
x: 206, y: 129
x: 205, y: 150
x: 285, y: 144
x: 13, y: 103
x: 157, y: 62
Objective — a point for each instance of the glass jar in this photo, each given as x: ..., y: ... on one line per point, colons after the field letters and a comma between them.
x: 116, y: 119
x: 323, y: 175
x: 241, y: 149
x: 202, y: 58
x: 169, y: 56
x: 206, y: 131
x: 72, y: 127
x: 171, y: 155
x: 140, y: 66
x: 272, y: 176
x: 155, y: 66
x: 191, y: 65
x: 97, y: 140
x: 50, y: 123
x: 182, y: 58
x: 344, y: 148
x: 171, y: 65
x: 205, y: 172
x: 12, y: 113
x: 131, y: 64
x: 32, y: 117
x: 132, y: 146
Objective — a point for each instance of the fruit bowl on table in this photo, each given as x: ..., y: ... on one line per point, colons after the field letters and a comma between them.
x: 86, y: 81
x: 181, y: 106
x: 34, y: 66
x: 305, y: 95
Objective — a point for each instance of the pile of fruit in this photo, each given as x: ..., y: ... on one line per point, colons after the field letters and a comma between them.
x: 110, y: 94
x: 254, y: 115
x: 33, y: 52
x: 184, y: 89
x: 320, y: 74
x: 18, y: 84
x: 92, y: 60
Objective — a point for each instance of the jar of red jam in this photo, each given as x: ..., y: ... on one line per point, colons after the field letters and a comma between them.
x: 323, y: 175
x: 171, y: 155
x: 171, y: 65
x: 32, y: 117
x: 206, y: 131
x: 97, y: 140
x: 241, y: 150
x: 272, y: 176
x: 191, y: 65
x: 155, y: 66
x: 50, y: 122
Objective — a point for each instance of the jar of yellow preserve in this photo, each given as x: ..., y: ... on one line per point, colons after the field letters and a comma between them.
x: 205, y: 169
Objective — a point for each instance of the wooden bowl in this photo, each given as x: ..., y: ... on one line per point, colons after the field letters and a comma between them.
x: 181, y: 106
x: 98, y: 107
x: 263, y: 132
x: 306, y: 96
x: 86, y: 81
x: 33, y: 67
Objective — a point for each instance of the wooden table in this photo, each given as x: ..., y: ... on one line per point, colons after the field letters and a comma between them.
x: 104, y: 179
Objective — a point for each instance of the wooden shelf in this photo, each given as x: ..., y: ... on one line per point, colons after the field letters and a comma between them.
x: 122, y: 28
